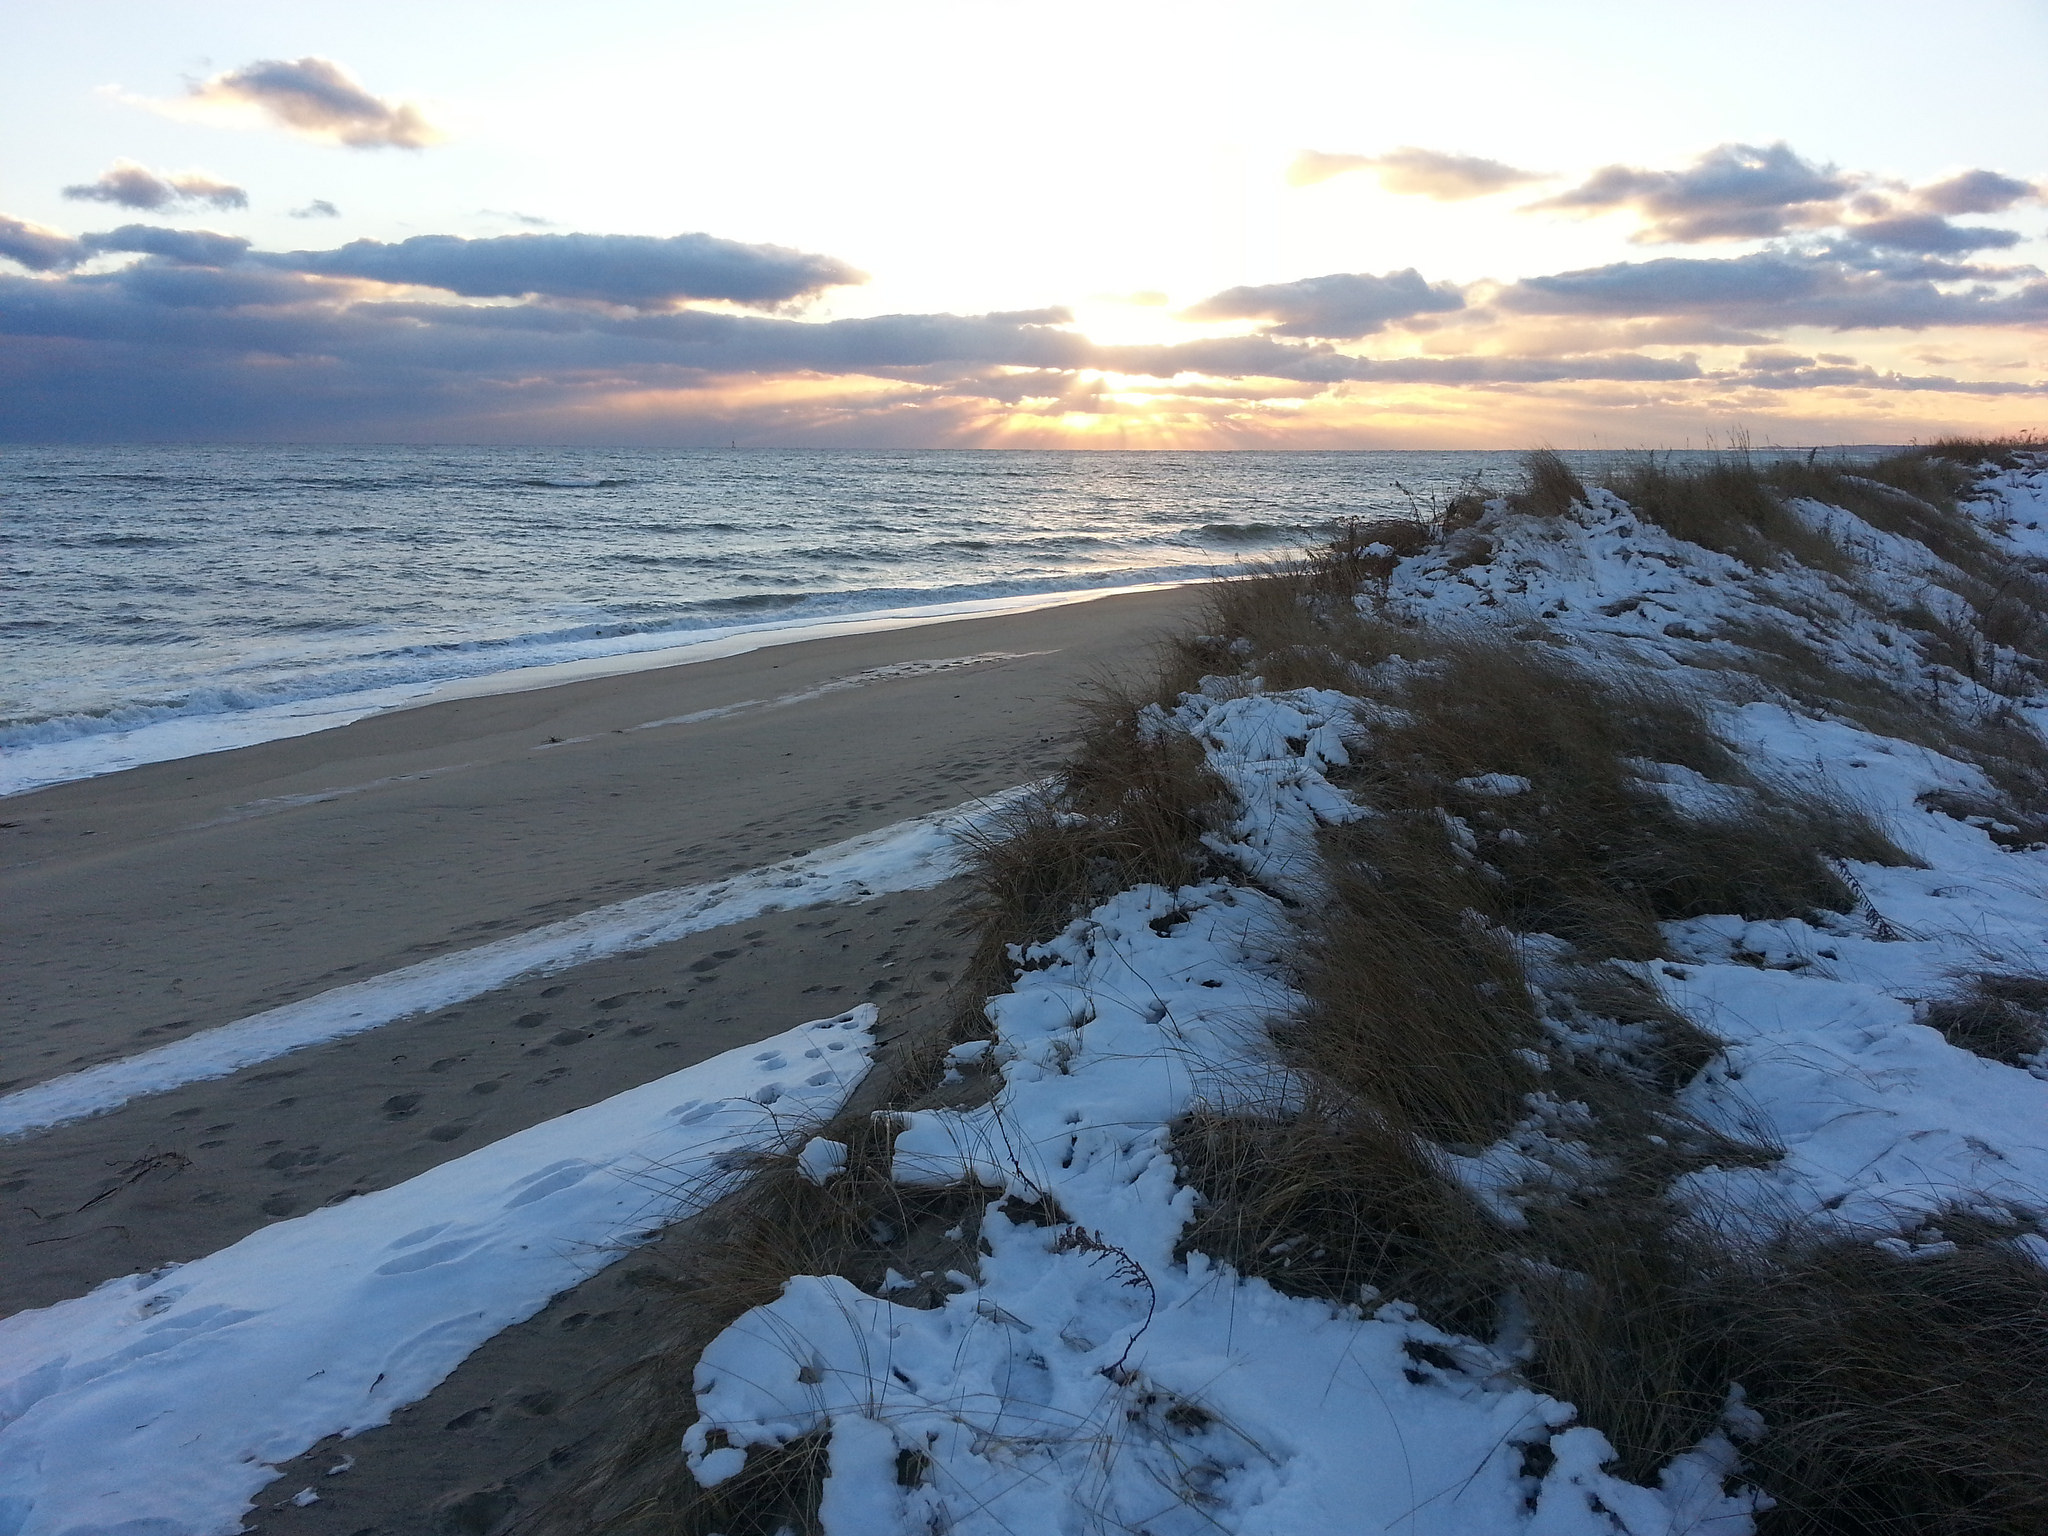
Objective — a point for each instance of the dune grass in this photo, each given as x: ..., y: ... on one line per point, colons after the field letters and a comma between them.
x: 1895, y: 1394
x: 1898, y: 1394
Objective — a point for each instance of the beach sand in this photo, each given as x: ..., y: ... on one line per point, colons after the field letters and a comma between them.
x: 151, y: 904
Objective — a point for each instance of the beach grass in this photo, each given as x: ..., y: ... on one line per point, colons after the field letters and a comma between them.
x: 1897, y: 1392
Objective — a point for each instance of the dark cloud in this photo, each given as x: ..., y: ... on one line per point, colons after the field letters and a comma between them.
x: 176, y: 286
x: 136, y: 186
x: 204, y: 338
x: 1792, y: 370
x: 37, y: 248
x: 248, y: 350
x: 45, y: 250
x: 317, y: 97
x: 1771, y: 288
x: 1338, y: 306
x: 1974, y: 192
x: 1260, y: 357
x: 645, y: 271
x: 319, y: 208
x: 1929, y: 234
x: 196, y: 247
x: 1414, y: 172
x: 1732, y: 192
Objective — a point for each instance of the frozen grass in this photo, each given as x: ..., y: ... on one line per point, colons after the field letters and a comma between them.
x: 1549, y: 485
x: 1727, y: 505
x: 1417, y: 1006
x: 861, y: 1224
x: 1476, y: 950
x: 1296, y: 623
x: 1905, y: 1391
x: 1892, y: 1403
x: 1585, y: 850
x: 1999, y: 1017
x: 1978, y: 452
x: 1130, y: 808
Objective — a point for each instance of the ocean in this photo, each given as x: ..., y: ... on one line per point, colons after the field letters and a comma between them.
x: 172, y: 600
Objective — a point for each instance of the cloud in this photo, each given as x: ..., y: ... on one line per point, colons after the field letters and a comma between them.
x: 1790, y: 370
x: 37, y: 248
x: 46, y: 250
x: 1414, y: 172
x: 136, y: 186
x: 1732, y: 192
x: 644, y: 271
x: 318, y: 98
x: 195, y: 247
x: 319, y: 208
x: 1339, y: 306
x: 205, y: 338
x: 1929, y: 234
x: 1261, y: 357
x: 1772, y: 288
x: 176, y: 286
x: 181, y: 351
x: 1974, y: 192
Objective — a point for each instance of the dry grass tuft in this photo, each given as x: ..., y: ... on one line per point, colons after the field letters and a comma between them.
x: 1298, y: 623
x: 1549, y: 485
x: 1588, y: 852
x: 1998, y: 452
x: 776, y: 1493
x: 1728, y: 505
x: 2000, y: 1016
x: 1417, y: 1006
x: 1130, y: 810
x: 1902, y: 1396
x: 1610, y: 1300
x: 859, y: 1224
x: 1332, y: 1203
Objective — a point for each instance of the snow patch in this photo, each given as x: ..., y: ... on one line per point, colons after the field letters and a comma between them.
x: 168, y: 1399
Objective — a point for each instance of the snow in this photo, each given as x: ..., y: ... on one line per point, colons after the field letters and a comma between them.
x: 1088, y: 1378
x: 160, y: 1404
x: 1091, y: 1376
x: 908, y: 855
x: 1881, y: 1120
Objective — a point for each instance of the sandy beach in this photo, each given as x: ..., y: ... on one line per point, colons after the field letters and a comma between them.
x: 155, y: 904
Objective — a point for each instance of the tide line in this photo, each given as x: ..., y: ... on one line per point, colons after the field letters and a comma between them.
x: 911, y: 855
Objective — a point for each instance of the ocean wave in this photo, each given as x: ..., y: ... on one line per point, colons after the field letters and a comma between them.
x: 131, y: 541
x: 1245, y: 533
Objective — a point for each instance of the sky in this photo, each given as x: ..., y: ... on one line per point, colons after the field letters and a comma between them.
x: 876, y: 223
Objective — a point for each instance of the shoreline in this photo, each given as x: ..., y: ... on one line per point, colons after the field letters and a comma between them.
x: 36, y: 765
x: 188, y: 893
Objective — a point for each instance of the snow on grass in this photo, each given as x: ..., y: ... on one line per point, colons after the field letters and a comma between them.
x: 160, y: 1404
x: 1881, y: 1119
x: 909, y: 855
x: 1088, y: 1378
x: 1091, y: 1376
